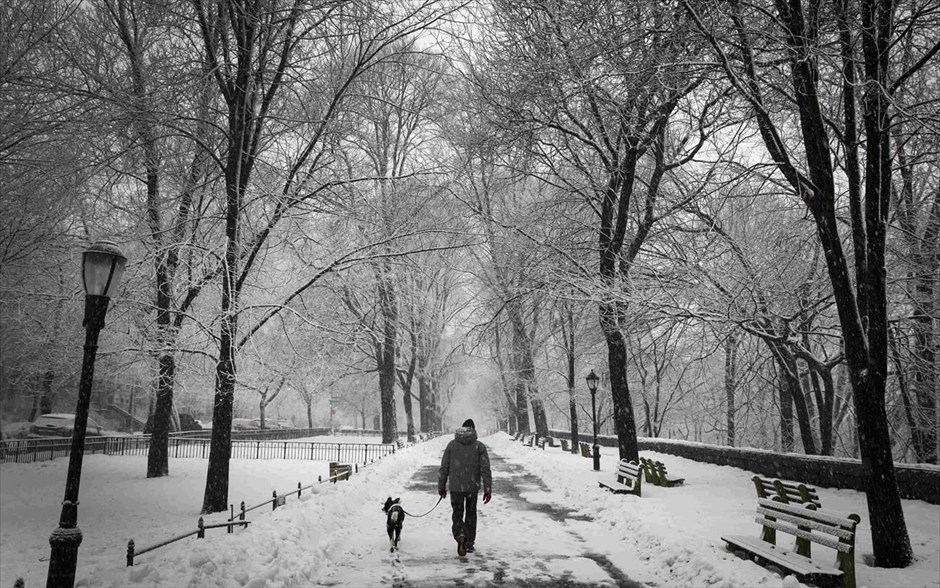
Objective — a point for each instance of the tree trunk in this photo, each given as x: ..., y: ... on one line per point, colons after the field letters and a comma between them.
x: 158, y: 454
x: 261, y: 406
x: 572, y: 397
x: 425, y: 409
x: 387, y: 353
x: 47, y: 395
x: 522, y: 405
x: 731, y: 353
x: 826, y: 411
x: 624, y: 420
x: 791, y: 372
x: 786, y: 410
x: 424, y: 400
x: 409, y: 417
x: 215, y: 498
x: 524, y: 368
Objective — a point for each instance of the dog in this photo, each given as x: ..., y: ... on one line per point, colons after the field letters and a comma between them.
x: 394, y: 517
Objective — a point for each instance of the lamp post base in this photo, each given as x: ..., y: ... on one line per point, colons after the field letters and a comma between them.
x: 597, y: 458
x: 64, y: 557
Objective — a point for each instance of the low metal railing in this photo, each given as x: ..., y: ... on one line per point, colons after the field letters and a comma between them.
x: 338, y: 472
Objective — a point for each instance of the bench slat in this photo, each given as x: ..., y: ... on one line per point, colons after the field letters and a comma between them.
x: 802, y: 511
x: 799, y: 520
x: 815, y: 538
x: 790, y: 487
x: 791, y: 491
x: 630, y: 469
x: 781, y: 557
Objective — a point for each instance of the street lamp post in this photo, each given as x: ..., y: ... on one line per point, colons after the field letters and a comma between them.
x: 592, y: 380
x: 102, y: 269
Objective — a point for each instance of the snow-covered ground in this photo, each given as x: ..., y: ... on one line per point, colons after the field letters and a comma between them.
x: 335, y: 535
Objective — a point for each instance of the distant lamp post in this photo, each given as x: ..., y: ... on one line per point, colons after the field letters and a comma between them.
x: 102, y: 269
x: 592, y: 380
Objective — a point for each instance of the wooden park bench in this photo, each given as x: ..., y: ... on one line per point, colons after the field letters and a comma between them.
x: 564, y: 445
x: 340, y: 471
x: 656, y: 474
x: 586, y: 450
x: 649, y: 472
x: 664, y: 478
x: 540, y: 442
x: 809, y: 526
x: 787, y: 492
x: 629, y: 479
x: 529, y: 441
x: 517, y: 436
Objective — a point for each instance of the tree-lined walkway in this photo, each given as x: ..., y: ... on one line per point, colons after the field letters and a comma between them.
x: 520, y: 541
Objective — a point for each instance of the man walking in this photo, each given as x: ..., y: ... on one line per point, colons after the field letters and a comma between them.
x: 467, y: 464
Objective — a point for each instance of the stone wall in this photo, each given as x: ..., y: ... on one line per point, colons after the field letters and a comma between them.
x: 916, y: 481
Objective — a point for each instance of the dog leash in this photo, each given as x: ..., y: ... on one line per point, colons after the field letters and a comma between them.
x: 425, y: 514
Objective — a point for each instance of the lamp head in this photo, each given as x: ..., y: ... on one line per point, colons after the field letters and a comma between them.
x: 102, y: 268
x: 592, y: 381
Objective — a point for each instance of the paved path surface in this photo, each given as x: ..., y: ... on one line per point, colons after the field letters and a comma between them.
x: 520, y: 541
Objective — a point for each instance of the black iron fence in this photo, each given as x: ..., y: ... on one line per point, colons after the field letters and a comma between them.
x: 181, y: 445
x: 338, y: 472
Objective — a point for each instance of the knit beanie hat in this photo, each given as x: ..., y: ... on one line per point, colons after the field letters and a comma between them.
x: 468, y: 424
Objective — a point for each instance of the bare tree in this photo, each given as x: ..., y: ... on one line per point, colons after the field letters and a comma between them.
x: 795, y: 30
x: 591, y: 103
x: 256, y: 49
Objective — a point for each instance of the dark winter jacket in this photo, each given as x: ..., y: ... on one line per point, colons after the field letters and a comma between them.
x: 465, y: 463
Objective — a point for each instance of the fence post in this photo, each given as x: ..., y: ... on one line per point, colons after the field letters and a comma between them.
x: 311, y: 451
x: 257, y: 449
x: 356, y: 465
x: 202, y: 531
x: 130, y: 553
x: 319, y: 479
x: 298, y: 489
x: 285, y: 450
x: 339, y: 447
x: 241, y: 517
x: 274, y: 500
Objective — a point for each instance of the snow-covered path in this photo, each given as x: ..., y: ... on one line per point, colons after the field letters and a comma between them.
x: 520, y: 542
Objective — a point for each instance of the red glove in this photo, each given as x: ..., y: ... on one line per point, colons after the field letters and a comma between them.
x: 442, y: 492
x: 487, y: 496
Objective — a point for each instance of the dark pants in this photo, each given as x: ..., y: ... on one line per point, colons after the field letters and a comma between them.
x: 465, y: 515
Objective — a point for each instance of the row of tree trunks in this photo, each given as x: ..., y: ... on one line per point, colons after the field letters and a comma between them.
x: 862, y: 307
